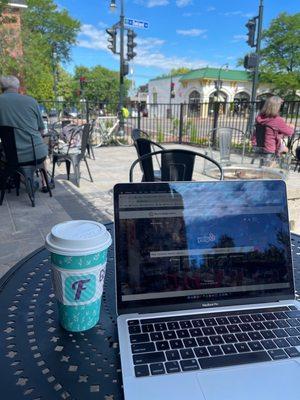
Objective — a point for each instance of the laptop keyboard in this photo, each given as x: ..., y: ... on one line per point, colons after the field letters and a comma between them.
x: 194, y: 342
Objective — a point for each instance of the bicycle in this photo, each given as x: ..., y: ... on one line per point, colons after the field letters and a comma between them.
x: 105, y: 130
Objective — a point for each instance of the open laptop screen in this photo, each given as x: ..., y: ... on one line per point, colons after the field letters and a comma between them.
x: 202, y: 242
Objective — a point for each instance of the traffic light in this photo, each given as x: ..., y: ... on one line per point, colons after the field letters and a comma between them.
x: 82, y: 82
x: 112, y: 39
x: 172, y: 90
x: 251, y: 61
x: 251, y: 25
x: 125, y: 68
x: 131, y: 35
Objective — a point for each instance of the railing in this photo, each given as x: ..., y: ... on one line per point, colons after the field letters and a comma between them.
x: 179, y: 123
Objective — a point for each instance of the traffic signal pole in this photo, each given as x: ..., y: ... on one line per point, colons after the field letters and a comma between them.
x: 256, y: 69
x: 121, y: 96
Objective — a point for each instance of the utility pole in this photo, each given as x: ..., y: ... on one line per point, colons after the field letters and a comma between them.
x: 252, y: 60
x: 122, y: 66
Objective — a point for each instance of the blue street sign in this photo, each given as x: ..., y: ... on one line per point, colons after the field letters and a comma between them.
x: 134, y: 23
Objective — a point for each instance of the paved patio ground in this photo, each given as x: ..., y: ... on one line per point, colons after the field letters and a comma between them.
x: 23, y: 228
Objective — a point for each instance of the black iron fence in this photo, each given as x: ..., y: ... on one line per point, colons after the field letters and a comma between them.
x: 178, y: 123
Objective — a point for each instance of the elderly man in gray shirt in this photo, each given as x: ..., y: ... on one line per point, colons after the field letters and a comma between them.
x: 22, y: 112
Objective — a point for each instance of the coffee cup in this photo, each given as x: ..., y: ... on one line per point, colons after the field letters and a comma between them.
x: 78, y: 258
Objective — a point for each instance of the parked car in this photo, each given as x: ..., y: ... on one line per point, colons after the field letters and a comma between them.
x: 71, y: 112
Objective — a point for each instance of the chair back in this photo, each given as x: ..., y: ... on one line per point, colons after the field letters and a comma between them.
x: 85, y: 139
x: 223, y: 138
x: 8, y: 141
x: 138, y: 133
x: 260, y: 135
x: 176, y: 165
x: 145, y: 146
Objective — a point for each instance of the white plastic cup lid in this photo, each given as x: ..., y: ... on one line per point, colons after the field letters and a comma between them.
x: 78, y: 238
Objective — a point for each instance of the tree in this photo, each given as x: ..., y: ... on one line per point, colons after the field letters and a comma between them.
x: 101, y: 85
x: 46, y: 31
x: 174, y: 72
x: 280, y: 65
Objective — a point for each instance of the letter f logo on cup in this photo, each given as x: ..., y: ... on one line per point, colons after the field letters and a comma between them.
x: 80, y: 287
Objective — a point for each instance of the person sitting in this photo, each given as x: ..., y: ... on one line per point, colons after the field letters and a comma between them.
x: 276, y: 127
x: 22, y: 113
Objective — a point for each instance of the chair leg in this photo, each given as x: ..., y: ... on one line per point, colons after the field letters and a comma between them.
x: 30, y: 191
x: 2, y: 196
x: 53, y: 168
x: 17, y: 181
x: 92, y: 152
x: 87, y: 167
x: 45, y: 175
x: 68, y: 168
x: 77, y: 173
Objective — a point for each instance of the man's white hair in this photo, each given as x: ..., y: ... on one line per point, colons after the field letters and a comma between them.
x: 9, y: 82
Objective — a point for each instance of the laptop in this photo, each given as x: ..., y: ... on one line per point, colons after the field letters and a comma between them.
x: 205, y: 292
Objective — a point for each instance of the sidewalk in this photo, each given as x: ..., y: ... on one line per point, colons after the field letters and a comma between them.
x: 23, y: 228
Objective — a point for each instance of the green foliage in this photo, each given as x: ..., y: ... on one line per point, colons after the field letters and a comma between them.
x: 102, y: 85
x: 281, y: 55
x: 58, y: 29
x: 3, y: 3
x: 174, y: 72
x: 160, y: 135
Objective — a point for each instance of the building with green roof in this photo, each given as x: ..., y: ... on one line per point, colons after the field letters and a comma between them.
x: 200, y: 86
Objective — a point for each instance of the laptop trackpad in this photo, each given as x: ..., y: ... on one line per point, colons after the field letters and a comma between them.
x: 275, y: 381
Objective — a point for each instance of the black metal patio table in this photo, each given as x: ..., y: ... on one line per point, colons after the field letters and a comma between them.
x: 39, y: 360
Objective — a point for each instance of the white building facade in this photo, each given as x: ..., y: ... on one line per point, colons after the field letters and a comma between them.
x: 198, y: 90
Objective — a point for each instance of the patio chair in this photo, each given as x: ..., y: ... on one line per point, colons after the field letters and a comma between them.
x: 176, y: 165
x: 145, y: 146
x: 139, y: 133
x: 12, y: 169
x: 297, y: 152
x: 74, y: 155
x: 224, y: 139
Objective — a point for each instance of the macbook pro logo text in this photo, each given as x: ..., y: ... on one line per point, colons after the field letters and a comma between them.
x: 206, y: 238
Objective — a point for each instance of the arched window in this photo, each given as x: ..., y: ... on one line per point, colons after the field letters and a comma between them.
x: 217, y: 96
x: 194, y: 102
x: 242, y: 96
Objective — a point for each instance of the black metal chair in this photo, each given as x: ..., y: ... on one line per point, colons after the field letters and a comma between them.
x: 265, y: 158
x: 297, y: 152
x: 12, y: 169
x: 176, y: 165
x: 139, y: 133
x: 74, y: 155
x: 89, y: 146
x: 145, y: 146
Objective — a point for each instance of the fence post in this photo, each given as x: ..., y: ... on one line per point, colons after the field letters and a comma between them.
x: 215, y: 123
x: 139, y: 115
x: 180, y: 123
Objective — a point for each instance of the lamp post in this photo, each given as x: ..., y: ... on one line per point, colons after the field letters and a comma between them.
x: 54, y: 69
x: 218, y: 84
x: 121, y: 88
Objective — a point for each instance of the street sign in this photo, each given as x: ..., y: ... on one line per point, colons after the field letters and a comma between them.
x: 134, y: 23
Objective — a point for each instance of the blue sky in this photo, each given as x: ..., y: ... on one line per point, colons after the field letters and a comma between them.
x: 189, y: 33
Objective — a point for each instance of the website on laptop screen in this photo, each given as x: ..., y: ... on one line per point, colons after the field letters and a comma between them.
x: 205, y: 241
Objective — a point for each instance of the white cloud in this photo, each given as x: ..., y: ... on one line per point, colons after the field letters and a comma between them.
x: 92, y: 38
x: 157, y: 3
x: 210, y: 8
x: 239, y: 38
x: 183, y: 3
x: 149, y: 53
x: 192, y: 32
x: 238, y: 13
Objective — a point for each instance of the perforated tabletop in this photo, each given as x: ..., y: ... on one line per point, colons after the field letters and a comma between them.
x: 41, y: 361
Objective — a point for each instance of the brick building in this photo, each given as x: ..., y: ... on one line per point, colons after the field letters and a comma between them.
x: 11, y: 23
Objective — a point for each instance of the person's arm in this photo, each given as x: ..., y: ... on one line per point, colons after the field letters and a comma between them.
x: 283, y: 128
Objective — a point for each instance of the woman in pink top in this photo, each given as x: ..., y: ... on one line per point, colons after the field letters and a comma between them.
x: 269, y: 116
